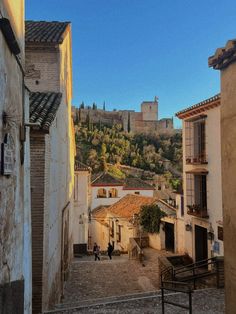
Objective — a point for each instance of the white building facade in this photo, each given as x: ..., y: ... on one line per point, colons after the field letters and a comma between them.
x: 202, y: 181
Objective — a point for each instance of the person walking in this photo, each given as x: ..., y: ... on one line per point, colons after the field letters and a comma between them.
x: 109, y: 250
x: 96, y: 251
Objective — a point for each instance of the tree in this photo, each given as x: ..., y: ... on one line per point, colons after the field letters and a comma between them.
x: 94, y: 106
x: 128, y: 127
x: 150, y: 218
x: 104, y: 106
x: 82, y: 105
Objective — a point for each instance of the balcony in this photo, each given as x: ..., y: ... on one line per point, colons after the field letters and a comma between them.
x: 197, y: 211
x: 196, y: 160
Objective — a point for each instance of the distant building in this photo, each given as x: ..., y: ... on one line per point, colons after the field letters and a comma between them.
x: 202, y: 182
x: 49, y: 78
x: 137, y: 122
x: 106, y: 189
x: 115, y: 224
x: 15, y: 209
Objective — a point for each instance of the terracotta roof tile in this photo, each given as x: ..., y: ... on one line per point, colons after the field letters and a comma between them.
x: 129, y: 205
x: 100, y: 212
x: 223, y: 56
x: 43, y: 108
x: 45, y: 32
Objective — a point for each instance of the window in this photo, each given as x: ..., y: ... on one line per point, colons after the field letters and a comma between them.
x: 112, y: 193
x: 138, y: 193
x: 182, y: 205
x: 118, y: 233
x: 220, y: 233
x: 196, y: 192
x: 102, y: 193
x: 195, y: 141
x: 112, y: 229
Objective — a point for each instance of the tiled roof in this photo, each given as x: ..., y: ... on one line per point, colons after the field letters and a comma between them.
x: 200, y: 107
x: 223, y: 56
x: 136, y: 184
x: 105, y: 179
x: 100, y: 212
x: 129, y: 205
x: 165, y: 194
x: 43, y: 108
x: 45, y: 32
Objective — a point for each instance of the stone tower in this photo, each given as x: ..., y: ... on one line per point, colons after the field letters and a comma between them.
x: 149, y: 110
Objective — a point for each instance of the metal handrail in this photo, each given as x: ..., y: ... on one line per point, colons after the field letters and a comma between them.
x: 189, y: 291
x: 196, y: 263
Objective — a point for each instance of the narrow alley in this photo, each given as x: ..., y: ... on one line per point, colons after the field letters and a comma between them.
x: 125, y: 286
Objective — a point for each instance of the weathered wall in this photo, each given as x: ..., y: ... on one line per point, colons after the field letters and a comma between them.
x: 59, y: 186
x: 42, y: 69
x: 228, y: 140
x: 37, y: 146
x: 149, y: 110
x: 14, y: 197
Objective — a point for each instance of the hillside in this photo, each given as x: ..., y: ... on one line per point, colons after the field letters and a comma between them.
x: 99, y: 145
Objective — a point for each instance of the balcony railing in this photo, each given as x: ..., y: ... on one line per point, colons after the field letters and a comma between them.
x: 196, y: 160
x: 197, y: 211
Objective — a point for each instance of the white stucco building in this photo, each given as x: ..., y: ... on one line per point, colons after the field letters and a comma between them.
x: 107, y: 190
x: 15, y: 211
x: 203, y: 220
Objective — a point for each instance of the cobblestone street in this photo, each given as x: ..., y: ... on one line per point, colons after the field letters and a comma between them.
x: 124, y: 286
x: 106, y: 278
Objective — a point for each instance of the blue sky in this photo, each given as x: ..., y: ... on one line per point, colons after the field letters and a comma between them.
x: 127, y: 51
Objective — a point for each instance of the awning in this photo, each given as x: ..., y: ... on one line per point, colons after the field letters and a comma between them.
x: 199, y: 171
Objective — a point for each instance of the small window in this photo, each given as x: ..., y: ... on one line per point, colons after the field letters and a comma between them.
x: 138, y: 193
x: 112, y: 193
x: 220, y: 233
x: 102, y: 193
x: 118, y: 233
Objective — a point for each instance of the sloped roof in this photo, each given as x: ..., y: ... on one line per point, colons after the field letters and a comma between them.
x: 129, y: 205
x: 223, y: 56
x: 45, y: 32
x: 164, y: 194
x: 136, y: 184
x: 43, y: 108
x: 199, y: 107
x: 105, y: 179
x: 100, y: 212
x: 167, y: 208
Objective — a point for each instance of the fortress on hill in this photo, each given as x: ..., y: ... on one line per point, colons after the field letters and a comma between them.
x: 138, y: 122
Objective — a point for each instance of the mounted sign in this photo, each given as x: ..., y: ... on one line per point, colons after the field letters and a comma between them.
x: 7, y: 156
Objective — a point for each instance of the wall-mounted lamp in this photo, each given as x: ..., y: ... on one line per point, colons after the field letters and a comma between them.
x: 188, y: 227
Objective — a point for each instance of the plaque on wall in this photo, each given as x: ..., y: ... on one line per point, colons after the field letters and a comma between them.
x: 7, y: 155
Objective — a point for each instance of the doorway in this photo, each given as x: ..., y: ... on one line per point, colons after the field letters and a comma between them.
x: 169, y: 237
x: 201, y: 249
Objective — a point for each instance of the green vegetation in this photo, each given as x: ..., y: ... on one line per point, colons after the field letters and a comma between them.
x: 150, y: 218
x: 98, y: 145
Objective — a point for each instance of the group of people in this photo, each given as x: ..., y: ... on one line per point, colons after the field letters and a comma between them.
x: 96, y: 251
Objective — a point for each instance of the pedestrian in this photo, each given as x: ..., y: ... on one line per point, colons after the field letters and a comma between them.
x: 96, y: 251
x: 109, y: 250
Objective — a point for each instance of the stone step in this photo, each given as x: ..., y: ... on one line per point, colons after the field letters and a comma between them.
x: 60, y: 308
